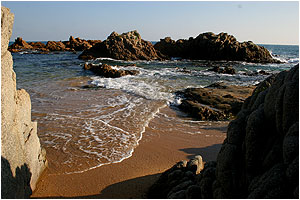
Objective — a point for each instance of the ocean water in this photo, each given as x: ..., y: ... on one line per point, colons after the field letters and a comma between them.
x: 88, y: 127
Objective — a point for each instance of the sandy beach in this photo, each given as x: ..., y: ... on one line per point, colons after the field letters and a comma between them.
x: 157, y: 151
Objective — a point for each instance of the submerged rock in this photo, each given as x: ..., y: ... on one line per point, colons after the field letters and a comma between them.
x: 223, y: 70
x: 260, y: 155
x: 127, y: 46
x: 108, y: 71
x: 215, y: 102
x: 208, y: 46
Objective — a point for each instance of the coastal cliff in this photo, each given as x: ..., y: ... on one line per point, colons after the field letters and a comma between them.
x: 260, y: 155
x: 22, y: 158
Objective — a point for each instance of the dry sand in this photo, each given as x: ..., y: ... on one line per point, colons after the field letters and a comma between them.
x: 157, y: 152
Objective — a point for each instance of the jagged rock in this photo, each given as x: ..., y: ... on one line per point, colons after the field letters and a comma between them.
x: 260, y: 156
x: 55, y: 46
x: 208, y: 46
x: 22, y: 158
x: 19, y: 44
x: 108, y: 71
x: 127, y: 46
x: 215, y: 102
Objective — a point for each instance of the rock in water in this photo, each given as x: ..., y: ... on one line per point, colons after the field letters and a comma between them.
x: 19, y: 45
x: 208, y: 46
x: 108, y: 71
x: 127, y: 46
x: 260, y: 155
x: 22, y: 158
x: 215, y: 102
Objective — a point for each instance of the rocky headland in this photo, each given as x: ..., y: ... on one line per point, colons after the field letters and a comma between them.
x: 209, y: 46
x: 127, y: 46
x: 259, y: 157
x: 22, y: 158
x: 215, y: 102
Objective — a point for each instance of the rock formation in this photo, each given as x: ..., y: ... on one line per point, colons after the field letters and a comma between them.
x: 19, y: 45
x: 108, y: 71
x: 208, y: 46
x: 127, y: 46
x: 74, y: 44
x: 22, y: 158
x: 260, y: 156
x: 215, y: 102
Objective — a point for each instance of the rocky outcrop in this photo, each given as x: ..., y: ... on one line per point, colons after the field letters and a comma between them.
x: 19, y: 45
x: 77, y: 44
x: 74, y: 44
x: 109, y: 71
x: 174, y: 182
x: 127, y: 46
x: 215, y: 102
x: 208, y: 46
x: 260, y: 156
x: 22, y: 158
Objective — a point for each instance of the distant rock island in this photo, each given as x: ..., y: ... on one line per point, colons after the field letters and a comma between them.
x: 73, y: 44
x: 131, y: 46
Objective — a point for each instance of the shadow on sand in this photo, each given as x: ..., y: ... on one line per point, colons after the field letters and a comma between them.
x: 17, y: 186
x: 137, y: 188
x: 208, y: 153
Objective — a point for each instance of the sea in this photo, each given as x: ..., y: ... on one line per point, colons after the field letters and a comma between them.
x: 86, y: 121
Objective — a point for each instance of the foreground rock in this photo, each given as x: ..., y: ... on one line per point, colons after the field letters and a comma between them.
x: 208, y: 46
x: 215, y: 102
x: 109, y: 71
x: 22, y: 158
x: 127, y: 46
x: 260, y: 156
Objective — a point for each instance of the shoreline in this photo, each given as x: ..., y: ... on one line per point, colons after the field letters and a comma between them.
x: 156, y: 152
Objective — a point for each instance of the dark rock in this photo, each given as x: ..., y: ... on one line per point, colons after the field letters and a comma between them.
x: 208, y: 46
x: 268, y: 183
x: 215, y: 102
x: 177, y: 195
x: 108, y: 71
x: 128, y: 46
x: 260, y: 156
x: 193, y: 192
x: 291, y: 144
x: 225, y: 70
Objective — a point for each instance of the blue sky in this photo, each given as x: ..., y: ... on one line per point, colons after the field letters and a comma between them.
x: 261, y: 22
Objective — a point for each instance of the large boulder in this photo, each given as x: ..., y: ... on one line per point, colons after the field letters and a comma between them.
x: 215, y: 102
x: 260, y: 155
x: 208, y: 46
x: 22, y: 158
x: 127, y: 46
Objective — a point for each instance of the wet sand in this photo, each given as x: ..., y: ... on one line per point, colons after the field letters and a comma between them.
x: 158, y: 150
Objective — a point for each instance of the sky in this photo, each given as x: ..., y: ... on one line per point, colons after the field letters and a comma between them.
x: 269, y: 22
